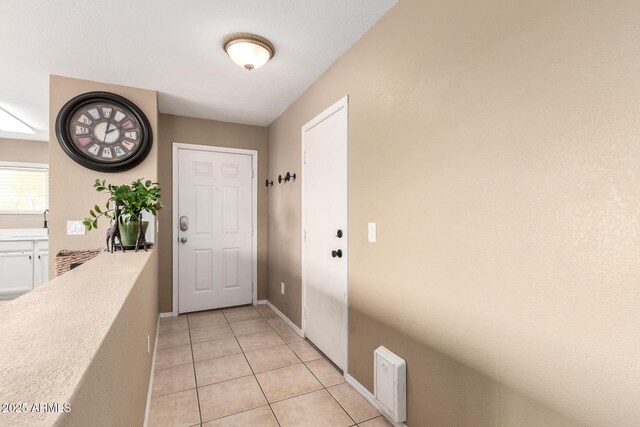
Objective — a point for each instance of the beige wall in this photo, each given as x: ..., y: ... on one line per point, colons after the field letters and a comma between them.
x: 71, y: 185
x: 19, y: 150
x: 23, y: 150
x: 113, y: 390
x: 207, y: 132
x: 496, y: 146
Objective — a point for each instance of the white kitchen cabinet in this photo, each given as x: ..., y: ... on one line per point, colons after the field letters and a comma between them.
x: 16, y: 269
x: 23, y: 266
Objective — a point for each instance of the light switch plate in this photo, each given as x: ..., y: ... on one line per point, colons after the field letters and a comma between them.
x: 373, y: 232
x: 75, y: 228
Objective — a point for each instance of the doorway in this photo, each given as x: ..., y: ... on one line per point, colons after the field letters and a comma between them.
x: 214, y: 227
x: 324, y: 232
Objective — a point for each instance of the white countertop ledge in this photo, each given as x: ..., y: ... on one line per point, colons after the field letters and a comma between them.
x: 23, y: 234
x: 23, y: 239
x: 49, y: 336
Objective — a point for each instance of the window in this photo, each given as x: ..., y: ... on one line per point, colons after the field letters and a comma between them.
x: 24, y: 188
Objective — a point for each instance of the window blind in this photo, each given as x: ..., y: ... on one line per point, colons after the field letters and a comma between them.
x: 23, y: 190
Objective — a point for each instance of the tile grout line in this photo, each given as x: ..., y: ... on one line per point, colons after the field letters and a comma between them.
x: 253, y: 374
x: 234, y: 354
x: 245, y: 356
x: 174, y: 332
x: 301, y: 363
x: 258, y: 382
x: 195, y: 377
x: 329, y: 393
x: 297, y: 395
x: 250, y: 367
x: 323, y: 357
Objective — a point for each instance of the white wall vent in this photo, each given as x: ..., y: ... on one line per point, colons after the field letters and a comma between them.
x: 390, y: 384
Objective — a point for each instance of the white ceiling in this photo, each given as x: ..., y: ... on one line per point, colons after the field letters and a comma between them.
x: 174, y: 47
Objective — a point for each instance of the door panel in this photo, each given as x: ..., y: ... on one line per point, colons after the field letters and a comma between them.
x: 203, y: 270
x: 216, y: 260
x: 230, y: 209
x: 16, y: 272
x: 325, y: 212
x: 203, y: 200
x: 230, y: 267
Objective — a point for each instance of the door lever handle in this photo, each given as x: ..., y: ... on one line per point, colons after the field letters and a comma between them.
x: 337, y: 253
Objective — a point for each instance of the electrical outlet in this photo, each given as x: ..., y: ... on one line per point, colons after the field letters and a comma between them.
x: 75, y: 228
x: 148, y: 345
x: 282, y: 288
x: 372, y: 234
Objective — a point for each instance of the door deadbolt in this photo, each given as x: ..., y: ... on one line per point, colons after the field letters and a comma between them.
x: 184, y: 223
x: 183, y: 239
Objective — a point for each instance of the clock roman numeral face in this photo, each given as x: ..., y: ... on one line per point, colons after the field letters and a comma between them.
x: 106, y: 132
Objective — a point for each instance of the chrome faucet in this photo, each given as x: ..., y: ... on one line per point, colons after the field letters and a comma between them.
x: 46, y: 220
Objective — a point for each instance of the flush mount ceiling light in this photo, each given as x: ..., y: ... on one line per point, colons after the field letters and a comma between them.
x: 9, y: 123
x: 249, y: 51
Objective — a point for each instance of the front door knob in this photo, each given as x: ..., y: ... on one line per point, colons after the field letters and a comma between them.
x: 337, y: 253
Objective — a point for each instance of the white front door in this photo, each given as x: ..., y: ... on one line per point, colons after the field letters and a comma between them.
x: 325, y: 231
x: 214, y: 229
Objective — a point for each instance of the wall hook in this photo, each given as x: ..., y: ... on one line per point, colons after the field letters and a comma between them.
x: 289, y: 177
x: 269, y: 183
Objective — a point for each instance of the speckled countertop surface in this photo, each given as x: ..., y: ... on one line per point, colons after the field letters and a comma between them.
x: 49, y: 336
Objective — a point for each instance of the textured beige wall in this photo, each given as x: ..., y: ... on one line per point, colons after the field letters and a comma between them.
x: 207, y: 132
x: 82, y: 339
x: 19, y: 150
x: 496, y: 146
x: 71, y: 185
x: 113, y: 390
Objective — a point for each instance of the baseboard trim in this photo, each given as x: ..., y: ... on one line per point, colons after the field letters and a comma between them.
x: 367, y: 395
x: 153, y: 369
x: 261, y: 302
x: 167, y: 314
x: 286, y: 319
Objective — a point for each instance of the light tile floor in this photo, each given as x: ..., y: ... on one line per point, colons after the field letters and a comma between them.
x: 245, y: 366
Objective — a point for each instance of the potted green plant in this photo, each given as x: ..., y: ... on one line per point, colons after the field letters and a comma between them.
x: 124, y: 208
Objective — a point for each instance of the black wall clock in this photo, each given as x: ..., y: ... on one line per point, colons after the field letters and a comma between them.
x: 104, y: 132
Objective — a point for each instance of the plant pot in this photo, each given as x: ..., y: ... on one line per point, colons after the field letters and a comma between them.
x: 129, y: 233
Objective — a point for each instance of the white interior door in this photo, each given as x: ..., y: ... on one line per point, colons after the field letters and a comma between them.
x: 214, y: 230
x: 325, y: 231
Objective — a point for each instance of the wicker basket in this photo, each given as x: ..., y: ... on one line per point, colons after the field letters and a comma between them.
x: 66, y: 260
